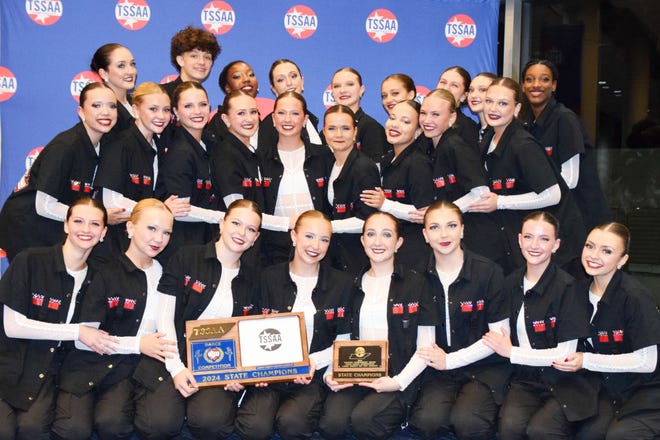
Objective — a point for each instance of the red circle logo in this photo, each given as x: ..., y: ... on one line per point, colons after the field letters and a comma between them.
x: 80, y: 81
x: 32, y: 156
x: 460, y: 30
x: 265, y: 106
x: 44, y: 12
x: 132, y: 15
x: 168, y: 78
x: 8, y: 84
x: 420, y: 93
x: 218, y: 17
x: 328, y: 99
x: 381, y: 25
x: 300, y: 22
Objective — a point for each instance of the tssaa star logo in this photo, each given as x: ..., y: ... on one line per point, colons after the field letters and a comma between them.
x: 300, y: 22
x: 132, y: 14
x: 460, y: 30
x: 44, y: 12
x: 80, y: 81
x: 381, y: 25
x: 270, y: 339
x: 218, y: 17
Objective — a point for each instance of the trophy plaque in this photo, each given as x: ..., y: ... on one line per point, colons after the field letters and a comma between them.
x: 359, y: 361
x: 247, y: 349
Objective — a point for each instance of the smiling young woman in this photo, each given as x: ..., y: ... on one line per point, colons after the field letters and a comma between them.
x: 64, y: 171
x: 305, y: 284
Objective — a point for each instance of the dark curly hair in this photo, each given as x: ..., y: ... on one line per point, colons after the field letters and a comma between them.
x: 192, y: 38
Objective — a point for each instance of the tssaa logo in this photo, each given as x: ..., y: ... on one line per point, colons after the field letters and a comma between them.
x: 8, y: 84
x: 420, y: 93
x: 328, y: 99
x: 132, y: 15
x: 168, y: 78
x: 80, y: 81
x: 460, y: 30
x: 300, y: 22
x: 218, y: 17
x: 44, y: 12
x: 381, y: 25
x: 270, y: 339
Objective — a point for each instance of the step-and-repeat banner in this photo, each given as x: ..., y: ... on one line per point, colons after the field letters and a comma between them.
x: 46, y: 47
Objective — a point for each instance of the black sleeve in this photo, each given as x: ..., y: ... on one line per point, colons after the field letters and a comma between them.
x: 569, y: 137
x: 469, y: 169
x: 94, y: 305
x: 498, y: 304
x: 573, y: 316
x: 534, y: 166
x: 225, y: 170
x: 171, y: 281
x: 367, y: 178
x: 14, y: 284
x: 420, y: 178
x: 642, y: 319
x: 372, y: 139
x: 56, y: 161
x: 177, y: 173
x: 113, y: 167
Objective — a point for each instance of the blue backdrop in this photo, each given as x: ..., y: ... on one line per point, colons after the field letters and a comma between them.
x: 46, y: 47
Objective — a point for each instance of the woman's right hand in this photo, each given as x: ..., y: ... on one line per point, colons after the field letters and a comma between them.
x: 98, y: 340
x: 185, y: 383
x: 155, y: 346
x: 334, y: 385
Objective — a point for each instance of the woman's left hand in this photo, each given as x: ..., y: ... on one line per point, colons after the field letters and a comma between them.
x: 488, y: 203
x: 500, y: 342
x: 434, y: 356
x: 573, y: 362
x: 382, y: 385
x: 373, y: 198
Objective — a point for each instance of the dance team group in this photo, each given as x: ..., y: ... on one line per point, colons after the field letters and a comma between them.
x: 482, y: 252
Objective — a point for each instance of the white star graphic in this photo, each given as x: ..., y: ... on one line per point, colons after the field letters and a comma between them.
x: 378, y: 35
x: 456, y: 39
x: 129, y: 21
x: 42, y: 18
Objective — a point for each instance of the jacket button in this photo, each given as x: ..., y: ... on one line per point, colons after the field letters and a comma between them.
x: 52, y: 350
x: 30, y: 398
x: 41, y: 375
x: 91, y: 384
x: 160, y: 378
x: 110, y: 366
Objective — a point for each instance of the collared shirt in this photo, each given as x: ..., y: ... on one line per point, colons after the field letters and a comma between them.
x: 127, y: 165
x: 117, y: 298
x: 371, y: 139
x: 475, y: 299
x: 409, y: 305
x: 235, y: 170
x: 554, y: 313
x: 626, y: 320
x: 38, y: 286
x: 331, y: 297
x: 192, y: 275
x: 457, y: 167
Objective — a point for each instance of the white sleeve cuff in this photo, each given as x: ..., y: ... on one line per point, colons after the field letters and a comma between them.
x: 643, y: 360
x: 531, y: 200
x: 48, y: 206
x: 542, y: 357
x: 113, y: 199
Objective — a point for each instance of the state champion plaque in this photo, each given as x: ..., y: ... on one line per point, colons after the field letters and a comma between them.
x: 359, y: 361
x: 247, y: 349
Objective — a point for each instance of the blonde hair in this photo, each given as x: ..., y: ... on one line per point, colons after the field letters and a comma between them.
x: 144, y: 89
x: 145, y: 204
